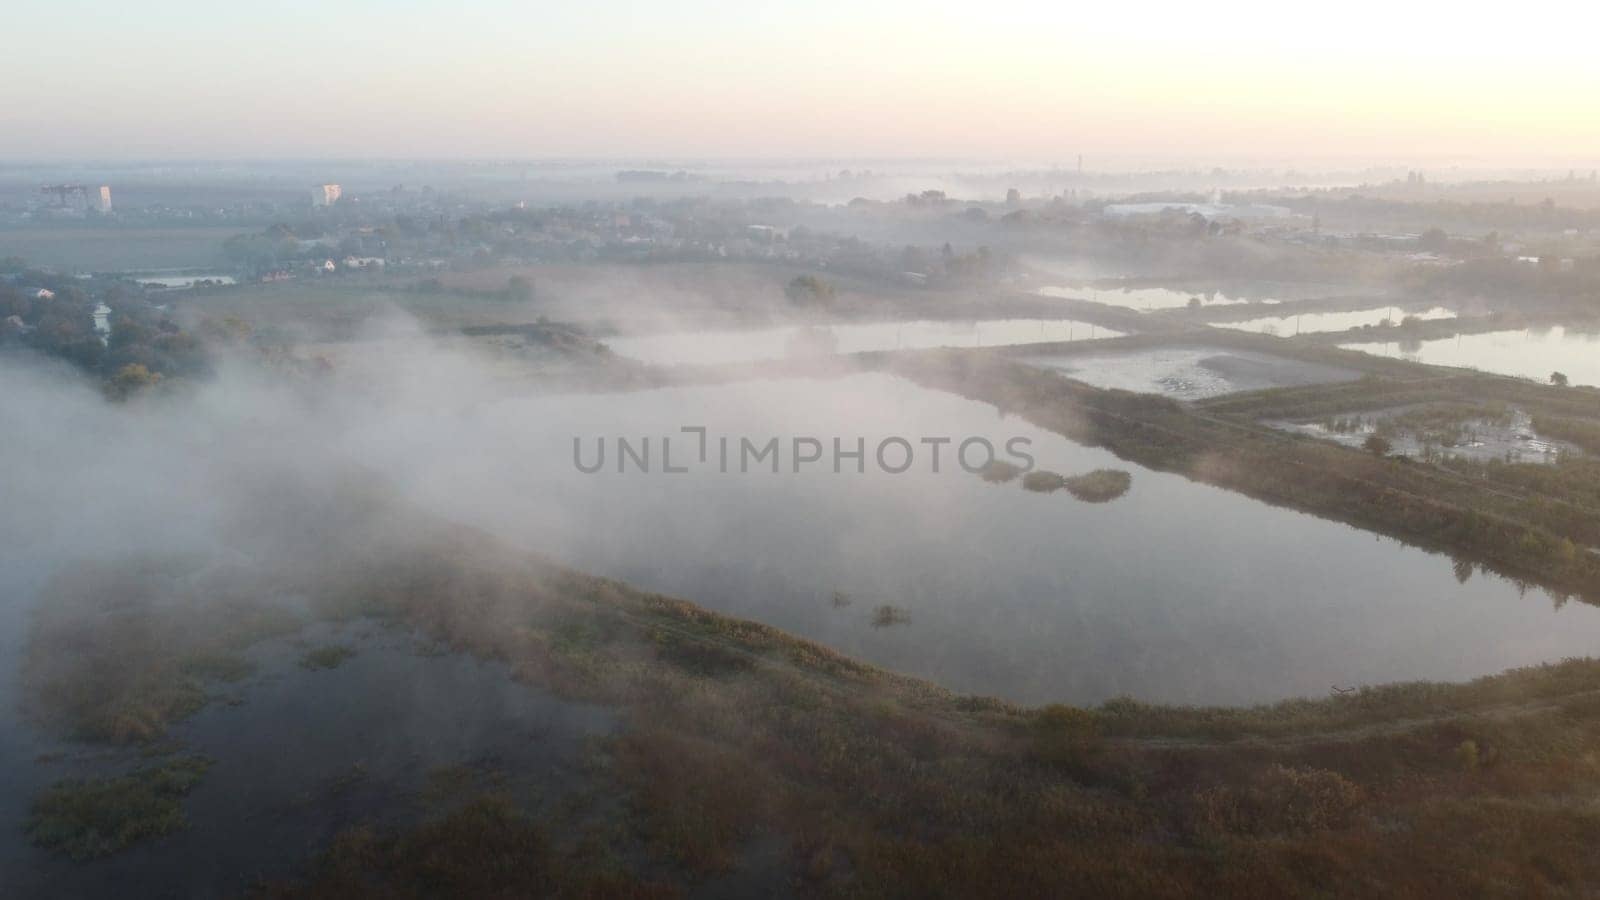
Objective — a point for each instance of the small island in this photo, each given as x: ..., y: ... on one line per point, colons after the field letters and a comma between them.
x: 997, y: 471
x: 1099, y: 486
x: 1043, y: 481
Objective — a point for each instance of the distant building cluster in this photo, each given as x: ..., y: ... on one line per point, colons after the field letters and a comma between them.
x: 78, y: 198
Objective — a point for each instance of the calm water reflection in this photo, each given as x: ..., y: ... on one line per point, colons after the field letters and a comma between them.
x: 1310, y: 323
x: 1527, y: 353
x: 1035, y: 597
x: 1189, y: 373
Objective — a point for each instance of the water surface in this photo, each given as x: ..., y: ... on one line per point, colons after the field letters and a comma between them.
x: 180, y: 281
x: 1526, y: 353
x: 1310, y: 323
x: 1189, y: 373
x: 1033, y: 597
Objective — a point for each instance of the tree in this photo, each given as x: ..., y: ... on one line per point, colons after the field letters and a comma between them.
x: 809, y: 289
x: 129, y: 380
x: 914, y: 259
x: 1377, y: 445
x: 1559, y: 379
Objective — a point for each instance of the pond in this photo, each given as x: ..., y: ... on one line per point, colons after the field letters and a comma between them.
x: 722, y: 347
x: 1189, y: 373
x: 989, y: 588
x: 1525, y: 353
x: 1310, y: 323
x: 179, y: 281
x: 1511, y: 439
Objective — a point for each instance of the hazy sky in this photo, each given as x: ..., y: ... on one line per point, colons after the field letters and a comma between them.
x: 1019, y: 81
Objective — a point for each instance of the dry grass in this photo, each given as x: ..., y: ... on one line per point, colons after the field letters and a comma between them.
x: 486, y: 849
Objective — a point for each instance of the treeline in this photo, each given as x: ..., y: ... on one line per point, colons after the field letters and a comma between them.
x: 55, y: 314
x: 1546, y: 215
x: 1548, y: 280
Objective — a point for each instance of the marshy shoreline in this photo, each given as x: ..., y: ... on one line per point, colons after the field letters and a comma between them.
x: 884, y: 784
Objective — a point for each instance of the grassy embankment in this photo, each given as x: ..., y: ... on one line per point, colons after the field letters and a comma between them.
x: 1524, y: 534
x: 1564, y: 498
x: 737, y: 736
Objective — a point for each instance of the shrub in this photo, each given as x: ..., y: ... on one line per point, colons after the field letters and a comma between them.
x: 809, y: 289
x: 1043, y: 482
x: 1280, y: 799
x: 1065, y: 734
x: 330, y: 657
x: 1292, y: 798
x: 998, y: 471
x: 887, y: 615
x: 1099, y: 486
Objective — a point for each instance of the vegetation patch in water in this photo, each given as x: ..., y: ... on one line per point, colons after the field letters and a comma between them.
x: 1585, y: 433
x: 1043, y: 481
x: 1099, y: 486
x: 331, y: 656
x: 89, y: 818
x: 1501, y: 516
x: 887, y: 615
x: 118, y: 652
x: 215, y: 666
x: 997, y: 471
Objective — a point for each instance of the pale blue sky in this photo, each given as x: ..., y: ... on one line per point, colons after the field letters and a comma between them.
x: 1009, y: 80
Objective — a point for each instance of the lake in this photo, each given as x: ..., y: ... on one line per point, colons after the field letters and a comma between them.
x: 1032, y: 597
x: 720, y: 347
x: 1189, y: 373
x: 1526, y: 353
